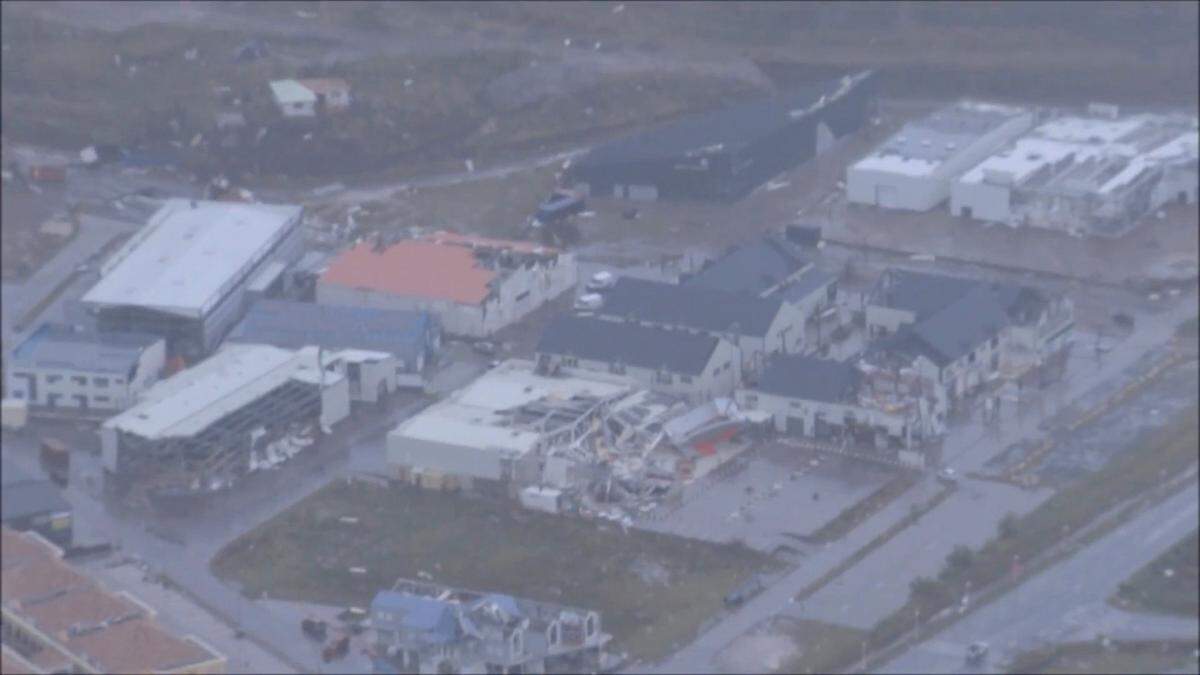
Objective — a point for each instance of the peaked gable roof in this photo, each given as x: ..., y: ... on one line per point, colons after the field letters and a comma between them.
x: 627, y: 343
x: 812, y: 379
x: 754, y: 268
x: 693, y: 307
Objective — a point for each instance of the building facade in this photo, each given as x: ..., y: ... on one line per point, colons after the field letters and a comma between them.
x: 59, y: 367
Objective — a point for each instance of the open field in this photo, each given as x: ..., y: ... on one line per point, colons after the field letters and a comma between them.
x: 1164, y: 453
x: 1170, y: 584
x: 653, y: 590
x: 1150, y: 656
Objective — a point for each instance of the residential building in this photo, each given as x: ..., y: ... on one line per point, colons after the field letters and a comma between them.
x: 474, y: 285
x: 963, y: 333
x: 34, y: 503
x: 832, y: 400
x: 202, y: 428
x: 689, y: 365
x: 1094, y: 174
x: 725, y: 154
x: 759, y: 269
x: 304, y: 98
x: 59, y: 620
x: 411, y: 338
x: 183, y: 276
x: 425, y: 628
x: 755, y: 326
x: 60, y: 366
x: 914, y: 168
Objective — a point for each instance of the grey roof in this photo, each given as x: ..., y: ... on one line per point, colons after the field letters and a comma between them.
x: 811, y: 379
x: 811, y: 280
x: 752, y: 268
x: 627, y: 343
x: 292, y: 325
x: 725, y: 130
x: 65, y: 347
x: 24, y: 495
x: 919, y: 292
x: 427, y: 619
x: 962, y: 326
x: 704, y: 309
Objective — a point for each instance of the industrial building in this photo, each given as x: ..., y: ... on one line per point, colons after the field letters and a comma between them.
x: 725, y: 154
x: 59, y: 620
x: 1096, y: 174
x: 60, y: 366
x: 183, y: 276
x: 694, y: 366
x: 755, y: 326
x: 411, y: 338
x: 429, y: 628
x: 497, y: 430
x: 830, y: 400
x: 474, y: 285
x: 914, y: 168
x: 960, y: 334
x: 245, y: 407
x: 34, y: 503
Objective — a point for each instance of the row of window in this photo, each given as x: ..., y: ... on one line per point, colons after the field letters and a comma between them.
x: 83, y: 380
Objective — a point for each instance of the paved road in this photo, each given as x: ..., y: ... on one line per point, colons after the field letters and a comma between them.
x: 1058, y: 603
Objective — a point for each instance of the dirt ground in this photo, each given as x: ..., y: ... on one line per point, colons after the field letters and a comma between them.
x: 786, y: 645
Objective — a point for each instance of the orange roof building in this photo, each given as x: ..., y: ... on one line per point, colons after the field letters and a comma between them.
x: 59, y: 620
x: 475, y: 285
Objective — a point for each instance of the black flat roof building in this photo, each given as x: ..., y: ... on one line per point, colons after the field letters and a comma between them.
x: 725, y: 154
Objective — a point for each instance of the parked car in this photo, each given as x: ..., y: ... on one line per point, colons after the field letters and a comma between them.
x: 484, y: 347
x: 560, y: 205
x: 752, y: 587
x: 1123, y: 320
x: 589, y: 301
x: 600, y: 281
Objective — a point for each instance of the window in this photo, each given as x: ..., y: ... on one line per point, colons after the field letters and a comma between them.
x: 100, y: 381
x: 971, y: 357
x: 664, y: 378
x: 118, y: 381
x: 616, y: 368
x: 17, y: 394
x: 728, y: 365
x: 570, y: 361
x: 794, y: 404
x: 590, y: 625
x: 51, y: 379
x: 686, y: 379
x: 521, y: 296
x: 79, y: 380
x: 995, y: 341
x: 100, y: 399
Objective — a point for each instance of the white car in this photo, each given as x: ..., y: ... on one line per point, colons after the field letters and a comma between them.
x: 601, y: 280
x: 589, y: 301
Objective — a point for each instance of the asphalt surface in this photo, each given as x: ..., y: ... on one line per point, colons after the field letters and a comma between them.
x: 1059, y: 603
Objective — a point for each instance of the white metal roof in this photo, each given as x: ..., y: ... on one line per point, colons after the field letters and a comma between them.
x: 923, y: 145
x: 187, y: 258
x: 287, y: 92
x: 192, y: 400
x: 1023, y: 158
x: 469, y: 416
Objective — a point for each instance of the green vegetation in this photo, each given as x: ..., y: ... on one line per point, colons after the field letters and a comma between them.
x: 653, y: 590
x: 1189, y: 328
x: 1169, y: 584
x: 1133, y: 657
x: 1166, y: 453
x: 821, y: 647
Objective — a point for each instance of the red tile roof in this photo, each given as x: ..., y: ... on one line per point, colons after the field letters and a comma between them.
x: 484, y: 242
x: 414, y: 268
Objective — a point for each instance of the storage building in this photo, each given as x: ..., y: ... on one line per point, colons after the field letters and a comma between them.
x: 914, y: 168
x: 31, y: 502
x: 411, y: 338
x: 183, y: 276
x: 60, y: 366
x: 725, y: 154
x: 474, y: 285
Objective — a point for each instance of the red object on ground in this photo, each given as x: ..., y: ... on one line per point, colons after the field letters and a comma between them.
x: 175, y: 365
x: 707, y: 448
x: 48, y: 174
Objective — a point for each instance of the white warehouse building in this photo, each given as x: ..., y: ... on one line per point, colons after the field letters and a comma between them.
x: 1097, y: 174
x: 914, y: 168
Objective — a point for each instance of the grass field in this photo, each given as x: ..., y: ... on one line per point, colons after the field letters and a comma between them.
x: 653, y: 590
x: 1169, y: 584
x: 821, y: 646
x: 1150, y: 656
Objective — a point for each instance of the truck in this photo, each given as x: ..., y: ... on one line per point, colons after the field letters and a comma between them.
x: 55, y: 460
x: 15, y: 413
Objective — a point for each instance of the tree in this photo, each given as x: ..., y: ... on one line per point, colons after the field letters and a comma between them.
x: 1008, y: 526
x: 958, y: 563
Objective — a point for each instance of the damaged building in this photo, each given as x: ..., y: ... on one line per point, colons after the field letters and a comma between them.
x: 427, y: 628
x: 184, y: 275
x: 474, y: 285
x: 723, y: 155
x: 246, y: 407
x: 956, y: 335
x: 1094, y: 174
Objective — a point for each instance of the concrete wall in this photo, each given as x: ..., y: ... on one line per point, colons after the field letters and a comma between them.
x: 453, y: 459
x: 720, y: 377
x: 883, y: 320
x: 782, y: 408
x: 986, y: 201
x: 335, y: 403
